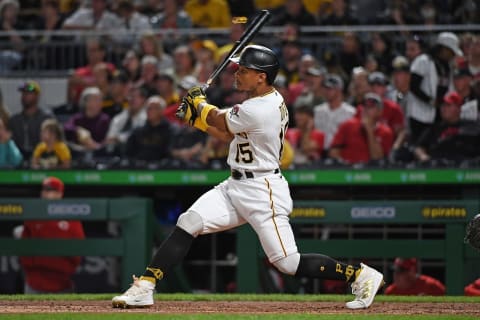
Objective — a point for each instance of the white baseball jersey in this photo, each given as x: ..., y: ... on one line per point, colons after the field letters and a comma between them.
x: 263, y: 200
x: 259, y: 125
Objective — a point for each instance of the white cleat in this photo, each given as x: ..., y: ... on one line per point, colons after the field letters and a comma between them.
x: 365, y: 288
x: 139, y: 295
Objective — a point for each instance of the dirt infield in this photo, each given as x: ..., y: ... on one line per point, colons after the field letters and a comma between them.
x: 240, y: 307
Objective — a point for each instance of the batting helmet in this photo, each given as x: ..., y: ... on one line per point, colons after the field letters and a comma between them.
x: 259, y: 58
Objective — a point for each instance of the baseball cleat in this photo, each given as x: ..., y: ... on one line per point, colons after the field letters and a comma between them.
x: 365, y: 288
x: 139, y: 295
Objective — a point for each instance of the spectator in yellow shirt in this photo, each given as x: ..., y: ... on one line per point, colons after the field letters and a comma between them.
x: 52, y: 152
x: 209, y: 13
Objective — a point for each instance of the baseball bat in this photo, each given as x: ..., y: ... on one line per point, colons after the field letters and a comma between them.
x: 246, y: 37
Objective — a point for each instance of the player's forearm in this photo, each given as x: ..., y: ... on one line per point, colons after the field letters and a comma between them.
x: 216, y: 118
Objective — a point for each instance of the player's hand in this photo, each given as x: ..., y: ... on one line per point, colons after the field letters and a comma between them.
x: 186, y: 111
x: 195, y: 96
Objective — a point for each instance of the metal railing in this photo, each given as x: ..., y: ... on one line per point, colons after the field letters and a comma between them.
x: 57, y: 52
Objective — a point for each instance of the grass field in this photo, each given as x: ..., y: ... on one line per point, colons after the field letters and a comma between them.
x: 218, y: 306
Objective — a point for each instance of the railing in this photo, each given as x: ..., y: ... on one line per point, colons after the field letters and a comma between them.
x: 65, y: 49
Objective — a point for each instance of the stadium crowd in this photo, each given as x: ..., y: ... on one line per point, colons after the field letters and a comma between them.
x: 368, y: 102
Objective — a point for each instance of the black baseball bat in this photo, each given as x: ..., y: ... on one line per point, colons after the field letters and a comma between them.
x: 246, y: 37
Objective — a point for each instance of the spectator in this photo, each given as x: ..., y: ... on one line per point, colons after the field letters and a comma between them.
x: 209, y: 13
x: 148, y: 73
x: 123, y: 124
x: 165, y: 85
x: 392, y: 113
x: 431, y: 78
x: 83, y: 77
x: 51, y: 274
x: 400, y: 92
x: 205, y: 55
x: 10, y: 155
x: 10, y: 56
x: 293, y: 12
x: 93, y: 15
x: 132, y: 23
x: 150, y: 45
x: 313, y: 92
x: 383, y: 51
x: 472, y: 289
x: 462, y: 83
x: 306, y: 141
x: 408, y: 282
x: 452, y: 139
x: 340, y: 15
x: 359, y: 86
x: 115, y: 100
x: 414, y: 46
x: 235, y: 32
x: 26, y: 124
x: 153, y: 141
x: 296, y: 88
x: 365, y: 139
x: 172, y: 17
x: 290, y: 58
x: 87, y: 129
x: 131, y: 66
x: 184, y: 62
x: 52, y: 152
x: 102, y: 77
x: 330, y: 114
x: 349, y: 56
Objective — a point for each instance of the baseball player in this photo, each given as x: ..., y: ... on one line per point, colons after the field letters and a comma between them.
x: 256, y: 192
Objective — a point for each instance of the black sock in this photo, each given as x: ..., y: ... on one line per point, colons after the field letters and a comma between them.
x: 319, y: 266
x: 171, y: 252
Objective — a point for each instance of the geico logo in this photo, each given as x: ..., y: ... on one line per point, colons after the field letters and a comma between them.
x: 69, y: 209
x: 373, y: 212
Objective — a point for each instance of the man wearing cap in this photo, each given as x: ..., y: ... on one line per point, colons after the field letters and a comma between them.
x: 407, y: 282
x: 330, y: 114
x: 51, y: 274
x: 452, y: 139
x: 361, y: 140
x: 312, y: 93
x: 25, y: 125
x: 431, y: 78
x: 392, y: 113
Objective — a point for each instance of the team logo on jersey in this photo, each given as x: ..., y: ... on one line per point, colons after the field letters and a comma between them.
x: 234, y: 111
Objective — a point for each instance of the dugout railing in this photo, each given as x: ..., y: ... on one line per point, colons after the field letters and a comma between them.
x: 133, y: 246
x: 449, y: 216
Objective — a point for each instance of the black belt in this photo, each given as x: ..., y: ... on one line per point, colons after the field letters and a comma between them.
x: 238, y: 175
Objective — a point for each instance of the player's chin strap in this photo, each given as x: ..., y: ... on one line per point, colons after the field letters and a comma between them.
x: 203, y: 109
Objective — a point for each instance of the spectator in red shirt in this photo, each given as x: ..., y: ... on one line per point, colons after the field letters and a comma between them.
x: 306, y: 141
x: 51, y: 274
x: 407, y: 281
x: 392, y: 113
x: 363, y: 139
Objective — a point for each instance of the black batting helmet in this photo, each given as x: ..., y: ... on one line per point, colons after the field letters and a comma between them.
x: 259, y: 58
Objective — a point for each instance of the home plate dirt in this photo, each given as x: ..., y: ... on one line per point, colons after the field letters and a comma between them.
x: 240, y: 307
